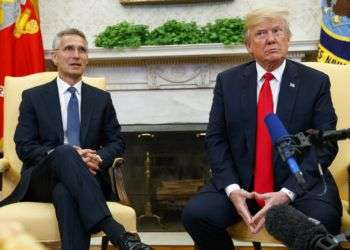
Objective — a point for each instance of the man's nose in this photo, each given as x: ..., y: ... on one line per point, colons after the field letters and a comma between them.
x: 75, y: 53
x: 271, y: 38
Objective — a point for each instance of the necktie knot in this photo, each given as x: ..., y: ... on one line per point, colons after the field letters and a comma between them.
x: 268, y: 76
x: 72, y: 90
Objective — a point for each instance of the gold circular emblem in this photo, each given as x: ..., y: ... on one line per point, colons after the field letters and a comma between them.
x: 32, y: 27
x: 336, y: 19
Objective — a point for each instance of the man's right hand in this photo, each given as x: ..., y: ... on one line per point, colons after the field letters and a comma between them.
x: 238, y: 198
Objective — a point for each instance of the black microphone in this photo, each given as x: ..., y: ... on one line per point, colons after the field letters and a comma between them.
x: 283, y: 143
x: 297, y: 231
x: 319, y: 136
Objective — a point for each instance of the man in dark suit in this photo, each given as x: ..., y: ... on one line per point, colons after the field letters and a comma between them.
x: 67, y: 137
x: 248, y: 176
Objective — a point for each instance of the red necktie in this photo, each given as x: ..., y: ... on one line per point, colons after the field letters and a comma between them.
x: 263, y: 175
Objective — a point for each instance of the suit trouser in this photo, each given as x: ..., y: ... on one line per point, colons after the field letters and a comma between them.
x: 208, y: 214
x: 80, y: 205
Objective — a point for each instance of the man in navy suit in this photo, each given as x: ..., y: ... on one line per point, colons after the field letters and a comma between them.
x: 301, y: 98
x: 67, y: 137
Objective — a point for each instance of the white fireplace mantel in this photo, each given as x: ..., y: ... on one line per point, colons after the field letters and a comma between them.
x: 169, y: 85
x: 189, y: 50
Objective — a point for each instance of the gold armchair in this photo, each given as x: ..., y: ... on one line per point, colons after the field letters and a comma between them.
x: 39, y: 218
x: 340, y: 79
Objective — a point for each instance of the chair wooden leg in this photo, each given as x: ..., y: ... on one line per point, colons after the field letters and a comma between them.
x: 257, y: 245
x: 104, y: 244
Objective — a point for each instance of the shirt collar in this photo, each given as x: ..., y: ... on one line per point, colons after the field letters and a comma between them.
x: 63, y: 86
x: 277, y: 73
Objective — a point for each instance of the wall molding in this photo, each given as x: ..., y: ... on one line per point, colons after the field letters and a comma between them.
x: 188, y: 51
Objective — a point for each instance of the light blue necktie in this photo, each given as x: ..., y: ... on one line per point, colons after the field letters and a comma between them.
x: 73, y: 123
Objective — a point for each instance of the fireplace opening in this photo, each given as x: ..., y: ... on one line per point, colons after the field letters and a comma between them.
x: 162, y: 171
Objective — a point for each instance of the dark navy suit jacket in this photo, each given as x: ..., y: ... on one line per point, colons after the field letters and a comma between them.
x: 40, y: 129
x: 304, y: 102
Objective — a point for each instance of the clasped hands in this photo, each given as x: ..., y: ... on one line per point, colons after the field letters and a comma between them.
x: 91, y: 159
x: 256, y: 223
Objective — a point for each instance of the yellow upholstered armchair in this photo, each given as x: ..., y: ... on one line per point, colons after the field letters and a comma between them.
x: 340, y: 90
x: 39, y: 219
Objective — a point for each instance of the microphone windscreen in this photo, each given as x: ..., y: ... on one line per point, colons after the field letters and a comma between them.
x: 293, y: 228
x: 276, y: 128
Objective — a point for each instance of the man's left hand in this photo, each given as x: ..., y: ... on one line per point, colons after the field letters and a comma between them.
x: 271, y: 199
x: 91, y: 159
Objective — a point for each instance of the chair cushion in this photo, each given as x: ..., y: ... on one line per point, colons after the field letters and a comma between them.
x: 240, y: 231
x: 39, y: 219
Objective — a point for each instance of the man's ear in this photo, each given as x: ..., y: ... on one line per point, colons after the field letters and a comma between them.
x: 54, y: 58
x: 247, y: 45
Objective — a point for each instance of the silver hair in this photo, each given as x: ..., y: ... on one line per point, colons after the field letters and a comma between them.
x: 70, y: 31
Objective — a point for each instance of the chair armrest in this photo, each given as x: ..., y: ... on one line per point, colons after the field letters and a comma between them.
x: 117, y: 181
x: 4, y: 165
x: 348, y: 168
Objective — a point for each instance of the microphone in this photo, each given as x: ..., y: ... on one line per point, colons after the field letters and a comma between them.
x: 297, y: 231
x: 320, y: 136
x: 283, y: 143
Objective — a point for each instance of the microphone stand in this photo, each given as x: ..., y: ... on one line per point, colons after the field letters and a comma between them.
x: 330, y: 242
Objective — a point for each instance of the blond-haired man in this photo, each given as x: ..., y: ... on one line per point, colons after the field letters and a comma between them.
x: 248, y: 176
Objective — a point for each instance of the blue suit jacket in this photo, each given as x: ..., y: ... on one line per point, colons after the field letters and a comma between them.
x: 304, y: 102
x: 40, y: 129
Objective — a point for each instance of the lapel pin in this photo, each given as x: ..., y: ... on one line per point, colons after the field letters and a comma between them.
x: 292, y: 85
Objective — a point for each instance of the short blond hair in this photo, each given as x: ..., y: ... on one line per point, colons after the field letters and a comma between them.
x: 258, y: 16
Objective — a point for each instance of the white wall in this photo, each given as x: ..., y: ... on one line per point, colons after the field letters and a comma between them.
x: 92, y: 16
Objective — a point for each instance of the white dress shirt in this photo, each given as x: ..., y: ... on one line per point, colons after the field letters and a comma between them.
x: 275, y: 85
x: 64, y: 97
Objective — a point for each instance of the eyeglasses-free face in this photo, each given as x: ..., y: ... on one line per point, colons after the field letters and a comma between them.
x: 71, y: 58
x: 268, y: 43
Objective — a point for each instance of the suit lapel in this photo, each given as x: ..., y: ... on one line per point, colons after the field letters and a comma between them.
x: 52, y: 103
x: 87, y: 104
x: 248, y: 105
x: 288, y: 93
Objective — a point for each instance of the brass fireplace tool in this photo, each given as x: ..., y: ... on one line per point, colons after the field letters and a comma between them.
x: 147, y: 138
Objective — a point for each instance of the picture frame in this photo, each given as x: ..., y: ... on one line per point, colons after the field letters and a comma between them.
x: 127, y: 2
